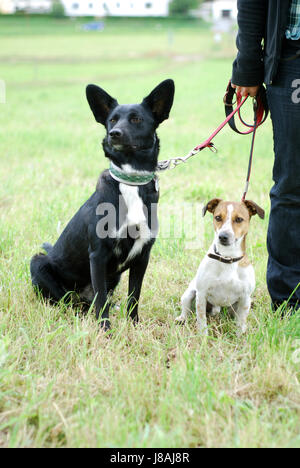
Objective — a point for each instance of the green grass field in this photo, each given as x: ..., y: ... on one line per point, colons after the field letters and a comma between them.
x: 62, y: 382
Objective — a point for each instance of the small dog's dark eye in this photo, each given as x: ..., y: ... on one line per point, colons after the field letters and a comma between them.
x: 239, y: 220
x: 113, y: 120
x: 218, y: 219
x: 136, y: 120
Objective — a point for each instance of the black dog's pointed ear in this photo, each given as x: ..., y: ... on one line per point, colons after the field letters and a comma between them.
x: 211, y: 206
x: 160, y: 101
x: 254, y: 209
x: 100, y: 102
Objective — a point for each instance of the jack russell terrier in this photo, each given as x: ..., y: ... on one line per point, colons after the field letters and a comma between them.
x: 225, y: 277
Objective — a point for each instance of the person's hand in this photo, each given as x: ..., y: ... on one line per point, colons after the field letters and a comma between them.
x: 246, y: 90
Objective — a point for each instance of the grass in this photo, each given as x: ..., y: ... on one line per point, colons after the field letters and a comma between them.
x: 64, y: 384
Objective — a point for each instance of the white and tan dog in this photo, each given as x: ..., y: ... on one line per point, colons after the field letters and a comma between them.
x: 225, y: 277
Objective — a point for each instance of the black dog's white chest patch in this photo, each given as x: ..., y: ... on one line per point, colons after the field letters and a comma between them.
x: 135, y: 225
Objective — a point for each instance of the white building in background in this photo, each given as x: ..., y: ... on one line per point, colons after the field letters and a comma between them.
x: 224, y: 9
x: 116, y: 7
x: 218, y: 10
x: 6, y: 7
x: 210, y: 10
x: 33, y: 6
x: 98, y: 8
x: 30, y: 6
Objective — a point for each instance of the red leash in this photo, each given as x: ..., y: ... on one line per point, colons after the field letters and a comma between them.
x: 174, y: 162
x: 208, y: 143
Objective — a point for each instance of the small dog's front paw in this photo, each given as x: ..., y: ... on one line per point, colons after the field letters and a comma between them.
x: 241, y: 330
x: 215, y: 311
x: 180, y: 320
x: 202, y: 328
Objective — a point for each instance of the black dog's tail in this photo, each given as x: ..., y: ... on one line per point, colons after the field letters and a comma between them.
x: 48, y: 247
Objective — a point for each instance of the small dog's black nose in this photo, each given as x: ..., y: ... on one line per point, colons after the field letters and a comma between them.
x: 116, y: 133
x: 224, y: 238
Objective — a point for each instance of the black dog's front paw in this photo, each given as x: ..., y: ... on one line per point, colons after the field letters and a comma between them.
x: 105, y: 325
x: 134, y: 318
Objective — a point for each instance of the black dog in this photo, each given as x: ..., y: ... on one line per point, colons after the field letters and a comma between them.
x: 116, y: 228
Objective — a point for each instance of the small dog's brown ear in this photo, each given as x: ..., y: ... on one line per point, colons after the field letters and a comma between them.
x: 254, y: 209
x: 211, y: 206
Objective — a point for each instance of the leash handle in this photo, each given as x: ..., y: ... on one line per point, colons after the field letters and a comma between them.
x: 260, y: 108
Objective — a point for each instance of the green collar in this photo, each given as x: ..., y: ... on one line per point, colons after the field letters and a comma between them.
x: 132, y: 178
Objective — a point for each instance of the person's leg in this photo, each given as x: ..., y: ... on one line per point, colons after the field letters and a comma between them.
x: 283, y: 274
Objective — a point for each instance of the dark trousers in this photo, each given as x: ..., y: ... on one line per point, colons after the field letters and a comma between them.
x: 283, y: 274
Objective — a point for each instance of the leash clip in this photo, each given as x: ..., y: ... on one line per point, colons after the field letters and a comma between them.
x: 170, y: 164
x: 210, y: 145
x: 213, y: 148
x: 175, y: 162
